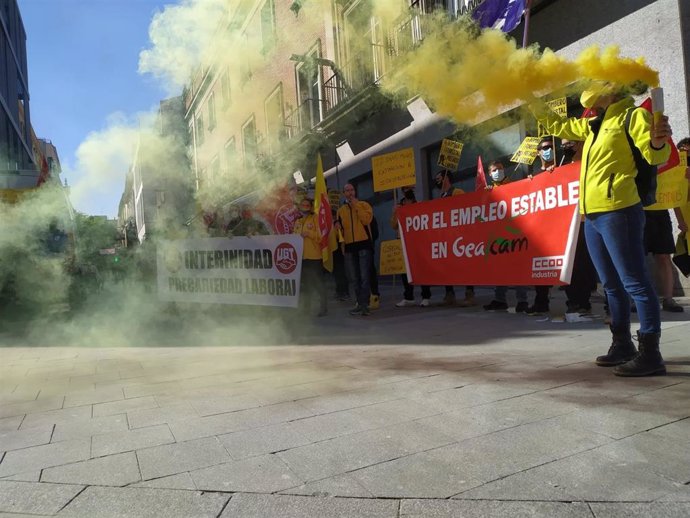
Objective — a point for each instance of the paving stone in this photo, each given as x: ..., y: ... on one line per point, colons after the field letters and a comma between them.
x: 80, y: 428
x: 236, y: 421
x: 260, y: 441
x: 10, y: 424
x: 472, y: 395
x: 92, y: 397
x: 508, y: 451
x: 266, y: 474
x: 129, y: 440
x: 113, y: 470
x: 38, y: 405
x: 163, y: 415
x: 116, y: 502
x: 125, y: 405
x: 640, y: 510
x: 491, y: 417
x: 65, y: 415
x: 25, y: 438
x: 212, y: 406
x: 416, y: 476
x: 179, y: 481
x: 171, y: 459
x: 35, y: 498
x: 488, y: 509
x: 679, y: 430
x: 328, y: 458
x: 279, y: 506
x: 339, y: 485
x: 587, y: 476
x: 45, y: 456
x: 27, y: 476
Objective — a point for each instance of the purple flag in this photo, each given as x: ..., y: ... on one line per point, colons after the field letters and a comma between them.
x: 499, y: 14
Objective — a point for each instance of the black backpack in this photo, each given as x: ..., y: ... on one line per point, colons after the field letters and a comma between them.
x: 646, y: 173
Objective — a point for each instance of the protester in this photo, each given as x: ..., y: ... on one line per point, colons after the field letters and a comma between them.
x: 353, y: 220
x: 547, y: 157
x: 408, y: 289
x: 313, y: 286
x: 500, y: 301
x: 659, y: 241
x: 444, y: 183
x: 375, y: 296
x: 614, y: 217
x: 584, y: 277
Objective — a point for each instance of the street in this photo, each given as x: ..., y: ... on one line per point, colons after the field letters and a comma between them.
x: 411, y: 412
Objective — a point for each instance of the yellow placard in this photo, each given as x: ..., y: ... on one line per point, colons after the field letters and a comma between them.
x: 334, y: 196
x: 527, y: 151
x: 559, y: 107
x: 393, y: 170
x: 391, y: 258
x: 449, y: 157
x: 671, y: 189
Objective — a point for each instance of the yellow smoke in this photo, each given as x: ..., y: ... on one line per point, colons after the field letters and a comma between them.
x: 468, y: 74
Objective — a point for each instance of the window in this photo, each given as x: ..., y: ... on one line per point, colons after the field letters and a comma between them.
x: 249, y: 141
x: 275, y: 118
x: 225, y: 91
x: 211, y: 111
x: 230, y: 155
x: 199, y: 129
x: 309, y: 83
x: 214, y: 169
x: 268, y: 25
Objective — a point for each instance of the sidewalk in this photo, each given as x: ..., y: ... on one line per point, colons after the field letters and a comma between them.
x: 425, y: 412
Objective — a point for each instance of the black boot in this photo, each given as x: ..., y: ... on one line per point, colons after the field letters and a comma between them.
x: 622, y: 349
x: 648, y: 361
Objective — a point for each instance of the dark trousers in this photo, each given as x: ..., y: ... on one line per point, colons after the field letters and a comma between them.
x: 358, y: 266
x: 374, y: 280
x: 584, y: 278
x: 313, y: 285
x: 408, y: 289
x: 616, y: 246
x: 542, y: 295
x: 341, y: 287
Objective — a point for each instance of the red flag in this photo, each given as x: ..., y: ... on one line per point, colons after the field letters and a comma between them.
x: 480, y: 182
x: 325, y: 218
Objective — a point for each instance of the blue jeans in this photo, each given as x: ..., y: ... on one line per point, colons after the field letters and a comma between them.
x: 615, y: 243
x: 358, y: 267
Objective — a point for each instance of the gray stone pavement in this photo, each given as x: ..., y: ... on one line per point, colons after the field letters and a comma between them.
x: 437, y: 412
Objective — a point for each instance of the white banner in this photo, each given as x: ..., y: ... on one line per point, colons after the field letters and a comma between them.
x: 259, y: 270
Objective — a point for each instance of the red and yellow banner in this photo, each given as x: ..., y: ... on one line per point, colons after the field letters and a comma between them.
x: 522, y: 233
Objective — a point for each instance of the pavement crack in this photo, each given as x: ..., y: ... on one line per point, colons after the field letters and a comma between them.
x: 52, y: 432
x: 591, y: 510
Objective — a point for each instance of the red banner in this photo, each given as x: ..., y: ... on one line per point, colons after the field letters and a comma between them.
x: 522, y: 233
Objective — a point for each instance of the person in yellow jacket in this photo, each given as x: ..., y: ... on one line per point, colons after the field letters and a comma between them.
x: 313, y: 284
x: 614, y: 218
x: 353, y: 221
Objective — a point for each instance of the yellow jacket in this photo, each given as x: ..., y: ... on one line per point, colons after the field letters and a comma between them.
x: 607, y: 173
x: 309, y: 226
x: 355, y: 222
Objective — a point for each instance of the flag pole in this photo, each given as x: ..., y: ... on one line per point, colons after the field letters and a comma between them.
x: 525, y: 32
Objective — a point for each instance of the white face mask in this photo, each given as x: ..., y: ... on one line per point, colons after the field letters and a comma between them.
x: 498, y: 175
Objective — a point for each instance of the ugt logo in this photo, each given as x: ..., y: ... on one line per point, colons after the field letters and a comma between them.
x: 285, y: 258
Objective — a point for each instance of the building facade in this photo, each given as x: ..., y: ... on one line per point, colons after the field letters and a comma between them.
x: 16, y: 153
x: 323, y: 87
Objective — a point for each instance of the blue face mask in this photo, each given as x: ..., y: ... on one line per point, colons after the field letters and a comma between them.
x: 547, y: 154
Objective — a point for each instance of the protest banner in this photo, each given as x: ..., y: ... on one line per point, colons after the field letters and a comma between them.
x: 393, y: 170
x: 522, y: 233
x: 261, y: 270
x: 334, y: 197
x: 671, y: 190
x: 449, y: 156
x: 391, y: 260
x: 527, y: 151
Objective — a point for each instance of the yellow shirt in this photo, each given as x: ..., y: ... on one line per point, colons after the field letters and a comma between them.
x: 355, y: 222
x: 309, y: 226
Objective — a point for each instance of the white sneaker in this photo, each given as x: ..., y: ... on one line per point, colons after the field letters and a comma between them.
x: 404, y: 303
x: 425, y: 303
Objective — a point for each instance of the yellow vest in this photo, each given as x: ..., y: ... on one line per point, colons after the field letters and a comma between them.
x: 309, y: 225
